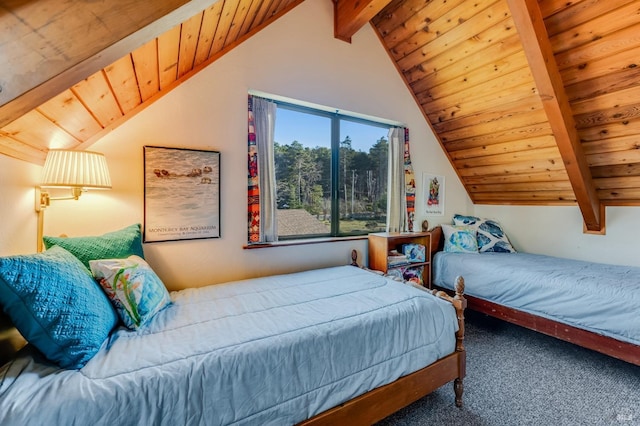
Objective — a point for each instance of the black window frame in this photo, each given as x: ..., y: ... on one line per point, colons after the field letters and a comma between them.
x: 336, y: 117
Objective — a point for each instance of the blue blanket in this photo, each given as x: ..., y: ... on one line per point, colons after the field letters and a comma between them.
x: 273, y: 350
x: 601, y: 298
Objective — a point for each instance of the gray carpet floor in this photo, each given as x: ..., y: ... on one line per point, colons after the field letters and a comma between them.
x: 519, y: 377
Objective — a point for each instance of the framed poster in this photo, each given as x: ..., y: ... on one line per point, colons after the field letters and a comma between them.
x: 181, y: 194
x: 433, y: 194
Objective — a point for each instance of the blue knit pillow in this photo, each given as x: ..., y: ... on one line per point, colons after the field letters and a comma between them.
x: 112, y: 245
x: 56, y: 305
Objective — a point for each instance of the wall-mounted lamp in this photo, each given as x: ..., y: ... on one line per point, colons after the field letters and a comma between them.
x: 77, y: 170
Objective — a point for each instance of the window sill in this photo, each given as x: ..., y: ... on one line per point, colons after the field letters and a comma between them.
x: 300, y: 242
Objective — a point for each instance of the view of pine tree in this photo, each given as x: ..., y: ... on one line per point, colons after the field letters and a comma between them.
x: 303, y: 176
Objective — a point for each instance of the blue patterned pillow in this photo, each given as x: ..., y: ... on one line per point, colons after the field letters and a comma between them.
x: 56, y: 305
x: 112, y: 245
x: 491, y: 236
x: 134, y: 289
x: 459, y: 239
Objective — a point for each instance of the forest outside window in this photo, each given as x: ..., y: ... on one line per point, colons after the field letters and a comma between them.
x: 331, y: 173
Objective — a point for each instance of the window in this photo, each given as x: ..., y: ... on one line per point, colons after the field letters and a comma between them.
x: 331, y: 173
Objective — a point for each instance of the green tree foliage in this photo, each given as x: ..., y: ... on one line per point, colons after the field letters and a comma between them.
x: 303, y: 177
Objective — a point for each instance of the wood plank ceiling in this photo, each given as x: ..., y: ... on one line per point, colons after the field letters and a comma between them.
x: 535, y: 102
x: 75, y: 115
x: 472, y: 67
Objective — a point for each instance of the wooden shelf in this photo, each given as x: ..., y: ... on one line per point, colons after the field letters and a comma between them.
x: 381, y: 243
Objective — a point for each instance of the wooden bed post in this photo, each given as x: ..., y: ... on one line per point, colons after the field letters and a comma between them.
x: 460, y: 304
x: 458, y: 386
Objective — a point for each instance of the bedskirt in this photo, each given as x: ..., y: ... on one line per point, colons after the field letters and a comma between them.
x: 273, y: 350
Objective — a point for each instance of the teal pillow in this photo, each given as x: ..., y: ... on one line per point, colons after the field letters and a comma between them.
x: 459, y: 239
x: 56, y: 305
x: 113, y: 245
x: 133, y: 287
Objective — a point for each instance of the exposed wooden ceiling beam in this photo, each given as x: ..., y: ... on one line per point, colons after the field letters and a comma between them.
x: 50, y: 46
x: 350, y: 15
x: 535, y: 40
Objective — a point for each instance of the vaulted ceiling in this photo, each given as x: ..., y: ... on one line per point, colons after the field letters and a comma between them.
x: 533, y: 101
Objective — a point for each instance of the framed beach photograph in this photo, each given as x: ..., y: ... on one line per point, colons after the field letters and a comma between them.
x: 181, y: 194
x: 433, y: 194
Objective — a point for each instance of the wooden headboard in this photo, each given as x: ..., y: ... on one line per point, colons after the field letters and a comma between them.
x: 437, y: 239
x: 10, y: 339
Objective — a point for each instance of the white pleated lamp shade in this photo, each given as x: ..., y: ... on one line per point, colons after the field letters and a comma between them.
x: 85, y: 169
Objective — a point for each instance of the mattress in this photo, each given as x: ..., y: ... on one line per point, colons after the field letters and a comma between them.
x: 600, y: 298
x: 273, y: 350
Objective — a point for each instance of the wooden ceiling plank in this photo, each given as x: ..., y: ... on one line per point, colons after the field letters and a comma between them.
x: 123, y: 82
x: 611, y: 44
x: 168, y: 55
x: 207, y: 32
x: 605, y: 116
x: 537, y: 177
x: 68, y: 112
x: 395, y: 13
x: 145, y: 61
x: 532, y: 131
x: 447, y: 28
x: 494, y: 44
x: 247, y: 24
x: 530, y: 112
x: 530, y: 25
x: 609, y: 101
x: 614, y: 158
x: 513, y: 168
x: 351, y: 15
x: 62, y: 50
x: 427, y: 13
x: 189, y: 34
x: 522, y: 187
x: 239, y: 18
x: 477, y: 23
x: 622, y: 143
x: 578, y: 13
x: 608, y: 130
x: 618, y: 80
x: 538, y: 197
x: 627, y: 59
x: 550, y: 154
x: 504, y: 147
x: 224, y: 25
x: 96, y: 95
x: 595, y: 28
x: 21, y: 151
x: 34, y: 129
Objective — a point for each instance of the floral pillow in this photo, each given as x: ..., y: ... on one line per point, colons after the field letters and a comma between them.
x: 459, y: 239
x: 134, y: 289
x: 491, y: 236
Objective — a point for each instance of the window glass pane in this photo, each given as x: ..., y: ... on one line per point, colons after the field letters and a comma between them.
x: 362, y: 177
x: 303, y: 173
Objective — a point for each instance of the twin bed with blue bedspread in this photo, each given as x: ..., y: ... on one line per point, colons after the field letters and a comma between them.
x: 591, y: 304
x: 275, y: 350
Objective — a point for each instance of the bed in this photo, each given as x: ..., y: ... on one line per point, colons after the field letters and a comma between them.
x: 589, y: 304
x: 339, y: 345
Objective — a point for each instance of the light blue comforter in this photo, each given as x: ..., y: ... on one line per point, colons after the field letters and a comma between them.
x: 601, y: 298
x: 272, y: 350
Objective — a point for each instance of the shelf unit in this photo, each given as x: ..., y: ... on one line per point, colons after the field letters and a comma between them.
x: 381, y: 243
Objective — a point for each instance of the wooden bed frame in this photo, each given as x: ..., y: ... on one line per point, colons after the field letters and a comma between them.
x: 368, y: 408
x: 607, y: 345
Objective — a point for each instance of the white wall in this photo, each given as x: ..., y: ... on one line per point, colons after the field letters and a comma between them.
x: 296, y: 57
x: 558, y: 231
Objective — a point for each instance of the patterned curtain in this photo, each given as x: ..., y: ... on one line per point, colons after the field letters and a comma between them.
x: 401, y: 194
x: 253, y: 184
x: 410, y: 183
x: 261, y: 175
